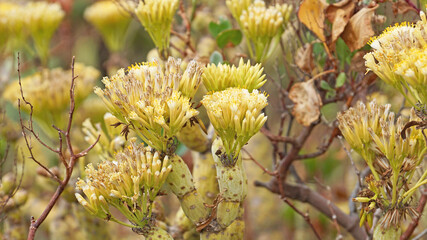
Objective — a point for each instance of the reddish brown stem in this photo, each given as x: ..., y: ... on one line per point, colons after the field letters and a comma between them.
x: 73, y: 157
x: 407, y: 234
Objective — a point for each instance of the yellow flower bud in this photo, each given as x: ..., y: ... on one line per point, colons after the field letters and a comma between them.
x: 222, y: 76
x: 236, y: 116
x: 156, y: 16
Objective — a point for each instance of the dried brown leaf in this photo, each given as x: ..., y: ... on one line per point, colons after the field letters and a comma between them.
x: 359, y: 29
x: 312, y: 14
x: 402, y: 7
x: 307, y: 102
x: 339, y: 14
x: 304, y: 58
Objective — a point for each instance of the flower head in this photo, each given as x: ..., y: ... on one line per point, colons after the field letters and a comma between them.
x: 111, y: 20
x: 261, y: 25
x: 222, y: 76
x: 12, y: 26
x: 155, y: 99
x: 42, y: 20
x: 129, y: 183
x: 156, y: 16
x: 236, y: 116
x: 398, y: 59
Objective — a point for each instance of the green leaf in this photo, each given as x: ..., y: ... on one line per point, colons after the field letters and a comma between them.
x: 340, y: 80
x: 330, y: 94
x: 233, y: 35
x: 325, y: 86
x: 216, y: 28
x: 216, y: 58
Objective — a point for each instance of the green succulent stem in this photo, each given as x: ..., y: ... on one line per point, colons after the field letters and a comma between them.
x: 231, y: 180
x: 157, y: 233
x: 391, y: 233
x: 181, y: 184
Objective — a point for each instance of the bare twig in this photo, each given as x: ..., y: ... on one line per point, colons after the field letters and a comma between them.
x: 303, y: 193
x: 305, y: 216
x: 259, y: 164
x: 72, y: 157
x: 17, y: 182
x: 277, y: 138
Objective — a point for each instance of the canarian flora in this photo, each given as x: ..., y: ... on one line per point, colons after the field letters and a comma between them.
x: 154, y: 100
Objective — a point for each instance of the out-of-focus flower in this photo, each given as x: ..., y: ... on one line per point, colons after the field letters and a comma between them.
x: 237, y: 7
x: 236, y: 116
x: 42, y: 20
x: 49, y: 89
x: 130, y: 184
x: 156, y: 16
x: 110, y: 141
x: 222, y: 76
x: 261, y: 25
x: 154, y: 99
x: 12, y: 26
x: 398, y: 58
x: 111, y: 19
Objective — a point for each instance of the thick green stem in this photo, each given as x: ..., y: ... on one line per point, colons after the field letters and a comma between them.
x: 156, y: 233
x: 231, y: 184
x: 391, y: 233
x: 181, y: 183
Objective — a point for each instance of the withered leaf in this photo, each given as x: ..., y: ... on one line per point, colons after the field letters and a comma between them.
x: 402, y: 7
x: 307, y: 102
x: 359, y: 29
x: 304, y: 58
x: 339, y: 14
x: 312, y: 14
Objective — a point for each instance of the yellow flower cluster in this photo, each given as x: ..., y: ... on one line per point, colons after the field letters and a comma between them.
x: 261, y: 25
x: 398, y: 58
x: 236, y: 116
x: 110, y: 140
x: 156, y: 16
x: 12, y: 34
x: 42, y: 20
x: 111, y: 20
x: 375, y: 134
x: 153, y: 98
x: 50, y: 90
x: 222, y: 76
x: 130, y: 184
x: 357, y: 123
x: 262, y: 22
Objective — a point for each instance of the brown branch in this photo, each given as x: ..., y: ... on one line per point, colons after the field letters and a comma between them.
x: 187, y: 24
x: 413, y: 5
x: 72, y: 157
x: 277, y: 138
x: 322, y: 149
x: 304, y: 194
x: 407, y: 234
